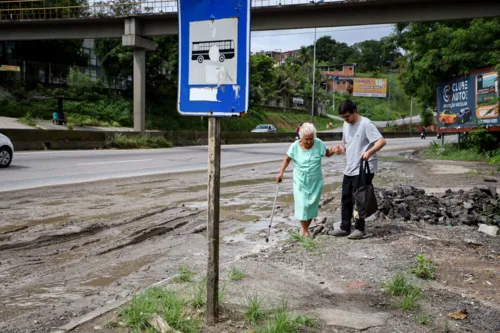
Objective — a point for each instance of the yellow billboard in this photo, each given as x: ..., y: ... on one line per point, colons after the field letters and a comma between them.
x: 7, y: 68
x: 370, y: 87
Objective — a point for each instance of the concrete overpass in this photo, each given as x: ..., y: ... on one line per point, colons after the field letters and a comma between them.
x: 136, y: 31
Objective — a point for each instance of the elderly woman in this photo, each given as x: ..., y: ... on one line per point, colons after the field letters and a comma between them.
x: 306, y: 154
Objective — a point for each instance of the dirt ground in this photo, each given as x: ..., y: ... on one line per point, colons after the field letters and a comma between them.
x: 65, y: 251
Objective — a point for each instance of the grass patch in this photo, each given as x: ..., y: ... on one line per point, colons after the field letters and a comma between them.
x: 111, y: 324
x: 399, y: 285
x: 28, y: 120
x: 408, y: 294
x: 157, y: 300
x: 450, y: 152
x: 472, y: 172
x: 184, y: 275
x: 446, y: 328
x: 198, y: 298
x: 235, y: 274
x: 130, y: 142
x: 199, y: 294
x: 288, y: 121
x: 82, y: 121
x: 253, y: 308
x: 425, y: 268
x: 306, y: 243
x: 283, y: 321
x: 410, y: 301
x: 422, y: 319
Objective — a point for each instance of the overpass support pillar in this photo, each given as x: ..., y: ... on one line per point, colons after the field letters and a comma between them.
x: 140, y: 45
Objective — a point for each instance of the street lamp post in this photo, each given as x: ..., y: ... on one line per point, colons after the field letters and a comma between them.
x: 314, y: 76
x: 411, y: 116
x: 335, y: 78
x: 389, y: 93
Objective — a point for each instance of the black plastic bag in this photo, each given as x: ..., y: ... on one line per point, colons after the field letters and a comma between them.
x: 365, y: 201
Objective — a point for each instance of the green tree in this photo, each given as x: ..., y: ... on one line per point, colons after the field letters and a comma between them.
x: 262, y: 79
x: 435, y: 52
x: 161, y: 64
x: 370, y: 55
x: 42, y: 56
x: 427, y: 117
x: 332, y: 52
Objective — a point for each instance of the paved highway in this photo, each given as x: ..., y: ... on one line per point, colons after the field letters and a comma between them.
x: 48, y: 168
x: 380, y: 124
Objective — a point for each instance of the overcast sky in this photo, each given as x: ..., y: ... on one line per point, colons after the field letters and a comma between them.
x: 287, y: 40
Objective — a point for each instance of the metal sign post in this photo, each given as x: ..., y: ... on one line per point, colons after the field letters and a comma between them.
x: 214, y: 72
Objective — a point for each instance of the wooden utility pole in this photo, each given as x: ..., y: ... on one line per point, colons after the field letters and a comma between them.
x: 213, y: 219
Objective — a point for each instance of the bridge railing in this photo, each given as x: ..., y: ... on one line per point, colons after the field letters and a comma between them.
x: 63, y: 9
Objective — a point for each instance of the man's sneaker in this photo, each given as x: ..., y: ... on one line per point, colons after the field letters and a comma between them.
x: 339, y: 233
x: 357, y: 234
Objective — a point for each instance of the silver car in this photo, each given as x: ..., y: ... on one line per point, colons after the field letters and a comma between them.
x: 265, y: 128
x: 6, y: 151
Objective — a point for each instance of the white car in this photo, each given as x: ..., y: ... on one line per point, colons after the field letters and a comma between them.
x: 6, y: 151
x: 265, y: 129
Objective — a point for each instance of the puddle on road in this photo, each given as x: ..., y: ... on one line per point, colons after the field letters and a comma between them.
x: 33, y: 298
x: 245, y: 182
x: 109, y: 216
x: 447, y: 169
x: 11, y: 227
x: 28, y: 223
x: 117, y: 271
x: 237, y: 213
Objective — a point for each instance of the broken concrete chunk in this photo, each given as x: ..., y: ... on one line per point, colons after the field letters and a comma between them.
x: 160, y: 325
x: 488, y: 229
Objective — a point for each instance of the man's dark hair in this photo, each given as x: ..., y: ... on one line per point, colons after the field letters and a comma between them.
x: 347, y: 106
x: 350, y: 81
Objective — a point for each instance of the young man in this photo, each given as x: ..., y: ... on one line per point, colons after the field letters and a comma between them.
x: 360, y: 139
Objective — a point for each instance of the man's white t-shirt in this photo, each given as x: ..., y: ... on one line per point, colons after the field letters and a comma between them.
x: 356, y: 139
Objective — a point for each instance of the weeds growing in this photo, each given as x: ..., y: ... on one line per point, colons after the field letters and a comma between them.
x: 425, y: 268
x: 184, y: 275
x: 162, y: 301
x: 307, y: 243
x: 129, y: 142
x: 401, y: 286
x: 253, y: 308
x: 235, y: 274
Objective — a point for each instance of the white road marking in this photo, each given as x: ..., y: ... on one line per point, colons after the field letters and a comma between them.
x: 129, y: 161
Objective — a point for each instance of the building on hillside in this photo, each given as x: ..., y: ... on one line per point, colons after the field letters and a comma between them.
x: 93, y: 69
x: 278, y: 56
x: 34, y: 72
x: 338, y: 79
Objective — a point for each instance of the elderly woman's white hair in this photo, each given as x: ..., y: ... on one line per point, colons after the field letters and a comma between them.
x: 307, y: 128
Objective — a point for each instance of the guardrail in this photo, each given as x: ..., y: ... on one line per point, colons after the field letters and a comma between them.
x: 33, y: 139
x: 63, y: 9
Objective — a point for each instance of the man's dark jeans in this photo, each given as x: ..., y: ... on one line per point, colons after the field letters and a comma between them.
x: 349, y: 185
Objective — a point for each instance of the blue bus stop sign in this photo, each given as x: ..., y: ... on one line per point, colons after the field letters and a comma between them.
x: 214, y: 57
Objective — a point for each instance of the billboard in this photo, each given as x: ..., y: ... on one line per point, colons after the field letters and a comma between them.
x: 469, y: 101
x: 7, y: 68
x: 370, y: 87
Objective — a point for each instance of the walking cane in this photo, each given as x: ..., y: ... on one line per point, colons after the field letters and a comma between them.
x: 272, y: 214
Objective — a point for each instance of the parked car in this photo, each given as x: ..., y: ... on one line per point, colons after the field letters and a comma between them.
x: 6, y: 151
x: 265, y: 128
x: 447, y: 117
x: 464, y: 116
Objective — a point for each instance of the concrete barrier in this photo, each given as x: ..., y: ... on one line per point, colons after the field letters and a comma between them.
x: 33, y: 139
